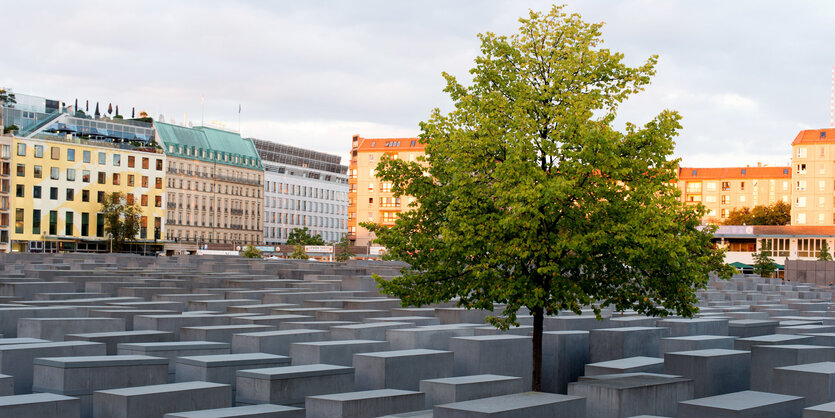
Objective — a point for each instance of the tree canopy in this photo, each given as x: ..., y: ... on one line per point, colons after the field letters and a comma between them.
x: 342, y: 250
x: 824, y: 254
x: 528, y: 197
x: 763, y: 263
x: 121, y: 220
x: 304, y: 237
x: 777, y: 213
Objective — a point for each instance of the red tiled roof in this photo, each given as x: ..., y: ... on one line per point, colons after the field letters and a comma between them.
x: 379, y: 144
x: 815, y: 136
x: 793, y: 230
x: 717, y: 173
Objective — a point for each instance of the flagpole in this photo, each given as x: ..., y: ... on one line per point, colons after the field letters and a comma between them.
x: 239, y: 119
x: 202, y: 108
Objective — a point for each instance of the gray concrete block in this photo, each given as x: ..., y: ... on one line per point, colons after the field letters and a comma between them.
x: 111, y: 340
x: 626, y: 365
x: 772, y: 339
x: 172, y: 350
x: 564, y: 357
x: 764, y: 358
x: 527, y: 404
x: 367, y: 331
x: 434, y: 337
x: 248, y: 411
x: 222, y: 368
x: 401, y: 369
x: 219, y: 333
x: 370, y: 403
x: 508, y: 355
x: 743, y: 404
x: 465, y: 388
x: 290, y: 385
x: 680, y: 327
x: 158, y: 400
x: 616, y: 343
x: 274, y: 342
x: 695, y: 342
x: 826, y: 410
x: 6, y: 385
x: 340, y: 352
x: 813, y: 381
x: 40, y: 405
x: 745, y: 328
x: 630, y: 394
x: 714, y: 371
x: 17, y: 359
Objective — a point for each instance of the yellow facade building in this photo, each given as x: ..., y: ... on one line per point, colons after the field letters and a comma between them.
x: 724, y: 189
x: 813, y: 177
x: 57, y: 186
x: 369, y: 198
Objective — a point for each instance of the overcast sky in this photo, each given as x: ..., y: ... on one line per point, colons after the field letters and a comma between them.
x: 745, y: 75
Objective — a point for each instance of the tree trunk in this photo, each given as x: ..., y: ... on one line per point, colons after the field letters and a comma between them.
x: 536, y: 380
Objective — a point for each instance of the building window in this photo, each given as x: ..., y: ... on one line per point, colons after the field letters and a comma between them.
x: 102, y: 158
x: 38, y: 151
x: 726, y: 200
x: 130, y: 198
x: 36, y: 192
x: 85, y: 176
x: 131, y: 180
x: 144, y: 181
x: 131, y: 161
x: 21, y: 151
x: 53, y: 173
x: 800, y: 169
x: 158, y: 182
x: 70, y: 174
x: 145, y: 162
x: 159, y: 164
x: 85, y: 156
x: 68, y: 224
x: 117, y: 160
x: 99, y: 225
x: 801, y: 152
x: 53, y: 193
x: 70, y: 154
x: 36, y: 222
x: 144, y: 200
x: 18, y: 221
x: 115, y: 179
x: 37, y: 171
x: 85, y: 224
x: 70, y: 195
x: 100, y: 197
x: 53, y: 222
x: 19, y: 190
x: 726, y: 185
x: 85, y: 195
x: 56, y: 152
x: 801, y: 186
x: 801, y: 218
x: 158, y: 201
x: 102, y: 177
x: 21, y: 170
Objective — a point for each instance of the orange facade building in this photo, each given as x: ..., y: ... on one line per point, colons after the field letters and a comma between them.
x: 369, y: 198
x: 724, y: 189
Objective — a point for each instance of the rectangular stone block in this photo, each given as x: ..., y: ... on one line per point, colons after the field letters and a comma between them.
x: 366, y: 331
x: 616, y: 343
x: 814, y: 381
x: 826, y: 410
x: 172, y: 350
x: 527, y: 404
x: 40, y: 405
x: 714, y: 371
x: 17, y: 359
x: 340, y: 352
x: 248, y: 411
x: 290, y: 385
x: 564, y: 357
x: 772, y: 339
x: 81, y: 376
x: 6, y: 385
x: 465, y: 388
x: 745, y: 328
x: 627, y: 395
x: 764, y: 358
x: 219, y: 333
x: 746, y: 403
x: 274, y: 342
x: 401, y: 369
x: 626, y: 365
x: 370, y: 403
x: 222, y: 368
x: 680, y: 327
x: 111, y: 340
x: 158, y: 400
x: 695, y: 342
x: 508, y: 355
x: 9, y: 316
x: 434, y: 337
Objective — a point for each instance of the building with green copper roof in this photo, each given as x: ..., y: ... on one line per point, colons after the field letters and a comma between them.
x: 215, y: 189
x: 208, y: 144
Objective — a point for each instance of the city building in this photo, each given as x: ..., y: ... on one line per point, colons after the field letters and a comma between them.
x: 215, y: 187
x: 302, y: 188
x: 813, y: 177
x: 369, y: 199
x: 5, y: 188
x: 63, y: 168
x: 723, y: 189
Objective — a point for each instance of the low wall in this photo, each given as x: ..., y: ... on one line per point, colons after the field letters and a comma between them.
x: 810, y: 271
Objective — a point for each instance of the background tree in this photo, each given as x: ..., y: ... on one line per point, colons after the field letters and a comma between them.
x: 529, y: 198
x: 342, y: 250
x: 763, y: 264
x: 304, y: 237
x: 299, y: 253
x: 777, y: 213
x: 121, y: 220
x: 251, y: 252
x: 824, y: 254
x: 5, y: 99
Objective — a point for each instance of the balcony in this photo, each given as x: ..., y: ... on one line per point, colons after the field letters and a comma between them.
x: 237, y: 211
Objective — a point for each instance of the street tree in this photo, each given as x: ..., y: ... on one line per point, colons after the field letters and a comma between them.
x: 529, y: 198
x: 342, y: 250
x: 763, y: 263
x: 824, y: 254
x: 299, y: 253
x: 251, y: 252
x: 777, y: 213
x: 304, y: 237
x: 121, y: 219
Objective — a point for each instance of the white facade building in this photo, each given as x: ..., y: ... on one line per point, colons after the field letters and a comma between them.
x: 302, y: 188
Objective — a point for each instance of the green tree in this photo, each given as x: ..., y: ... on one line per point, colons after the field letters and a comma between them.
x: 251, y: 252
x: 527, y: 196
x: 763, y: 264
x: 342, y: 250
x: 5, y: 99
x: 121, y: 220
x: 824, y: 254
x: 304, y: 237
x: 299, y: 253
x: 777, y: 213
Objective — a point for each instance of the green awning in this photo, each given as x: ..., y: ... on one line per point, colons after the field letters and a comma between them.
x: 738, y: 265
